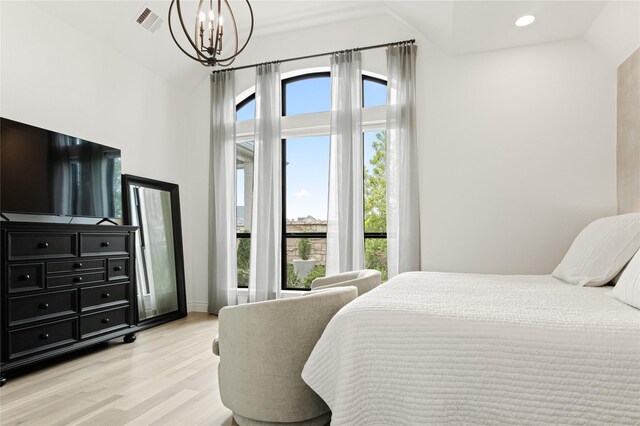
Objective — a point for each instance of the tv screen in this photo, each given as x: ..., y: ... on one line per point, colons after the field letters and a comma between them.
x: 44, y: 172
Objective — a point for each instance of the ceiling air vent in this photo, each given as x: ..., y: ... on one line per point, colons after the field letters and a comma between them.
x: 149, y: 20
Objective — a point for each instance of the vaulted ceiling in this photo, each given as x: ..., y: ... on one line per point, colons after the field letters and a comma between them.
x: 456, y: 27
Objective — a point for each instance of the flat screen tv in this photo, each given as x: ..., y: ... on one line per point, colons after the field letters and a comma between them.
x: 45, y: 172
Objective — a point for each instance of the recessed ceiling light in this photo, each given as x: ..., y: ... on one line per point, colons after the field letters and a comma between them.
x: 525, y: 20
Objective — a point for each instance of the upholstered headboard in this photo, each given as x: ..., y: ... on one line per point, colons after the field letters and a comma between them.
x: 628, y: 150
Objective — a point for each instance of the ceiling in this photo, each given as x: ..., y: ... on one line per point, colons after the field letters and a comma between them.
x: 456, y: 27
x: 462, y: 27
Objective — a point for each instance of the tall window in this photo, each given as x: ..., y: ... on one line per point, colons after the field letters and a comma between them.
x: 375, y: 202
x: 306, y: 102
x: 244, y: 194
x: 374, y: 94
x: 305, y: 173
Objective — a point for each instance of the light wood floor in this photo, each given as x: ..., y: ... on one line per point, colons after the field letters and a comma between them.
x: 168, y: 376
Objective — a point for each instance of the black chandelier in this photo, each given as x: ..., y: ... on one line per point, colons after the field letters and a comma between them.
x: 209, y: 23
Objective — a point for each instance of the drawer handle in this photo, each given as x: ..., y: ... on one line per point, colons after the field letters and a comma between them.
x: 105, y: 244
x: 78, y: 279
x: 77, y: 265
x: 117, y: 268
x: 106, y: 295
x: 105, y: 320
x: 43, y: 306
x: 43, y: 245
x: 25, y: 277
x: 44, y: 336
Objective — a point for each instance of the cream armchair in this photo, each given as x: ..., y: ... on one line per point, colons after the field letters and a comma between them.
x: 263, y: 347
x: 365, y: 280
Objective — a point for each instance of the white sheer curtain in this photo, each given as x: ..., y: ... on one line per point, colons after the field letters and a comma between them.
x: 266, y: 225
x: 403, y: 210
x: 222, y: 193
x: 345, y: 219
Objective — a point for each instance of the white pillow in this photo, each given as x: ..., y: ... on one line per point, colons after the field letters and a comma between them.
x: 628, y: 288
x: 615, y: 279
x: 601, y: 250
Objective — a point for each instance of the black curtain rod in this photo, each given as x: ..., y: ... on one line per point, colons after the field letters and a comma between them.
x: 317, y: 55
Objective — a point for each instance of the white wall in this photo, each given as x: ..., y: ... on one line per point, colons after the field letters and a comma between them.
x: 518, y: 154
x: 340, y: 35
x: 517, y: 145
x: 54, y: 77
x: 616, y: 31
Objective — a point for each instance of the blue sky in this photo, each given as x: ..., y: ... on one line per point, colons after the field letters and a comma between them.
x: 308, y: 158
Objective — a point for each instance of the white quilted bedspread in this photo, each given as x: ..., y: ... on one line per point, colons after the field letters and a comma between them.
x: 439, y: 348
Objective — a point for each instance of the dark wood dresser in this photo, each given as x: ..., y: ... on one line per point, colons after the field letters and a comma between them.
x: 64, y: 287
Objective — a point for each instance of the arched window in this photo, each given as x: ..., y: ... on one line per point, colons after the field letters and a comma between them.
x: 305, y: 126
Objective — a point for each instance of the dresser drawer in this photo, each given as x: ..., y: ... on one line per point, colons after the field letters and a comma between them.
x: 118, y: 269
x: 103, y: 295
x: 38, y: 245
x: 42, y: 337
x: 75, y: 266
x: 42, y: 306
x: 26, y: 277
x: 101, y: 244
x: 67, y: 280
x: 103, y: 322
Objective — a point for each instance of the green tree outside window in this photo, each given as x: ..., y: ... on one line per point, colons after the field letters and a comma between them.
x: 375, y: 206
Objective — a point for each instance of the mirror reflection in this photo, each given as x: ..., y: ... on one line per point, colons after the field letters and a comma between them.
x: 155, y: 251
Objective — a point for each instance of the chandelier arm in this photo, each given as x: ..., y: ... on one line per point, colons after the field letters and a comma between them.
x: 184, y: 29
x: 235, y: 26
x: 176, y: 41
x: 248, y: 38
x: 197, y: 30
x: 215, y: 45
x: 215, y: 36
x: 226, y: 63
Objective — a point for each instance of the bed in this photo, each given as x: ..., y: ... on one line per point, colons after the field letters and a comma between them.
x: 435, y: 348
x: 443, y: 348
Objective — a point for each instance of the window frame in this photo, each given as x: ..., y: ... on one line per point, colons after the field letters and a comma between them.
x: 308, y: 76
x: 243, y: 103
x: 373, y: 80
x: 240, y: 235
x: 374, y: 122
x: 292, y: 235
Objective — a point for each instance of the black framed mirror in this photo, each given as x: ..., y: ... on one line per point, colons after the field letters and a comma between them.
x: 154, y: 207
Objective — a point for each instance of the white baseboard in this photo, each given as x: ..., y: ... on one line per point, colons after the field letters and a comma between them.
x: 197, y: 307
x: 243, y: 296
